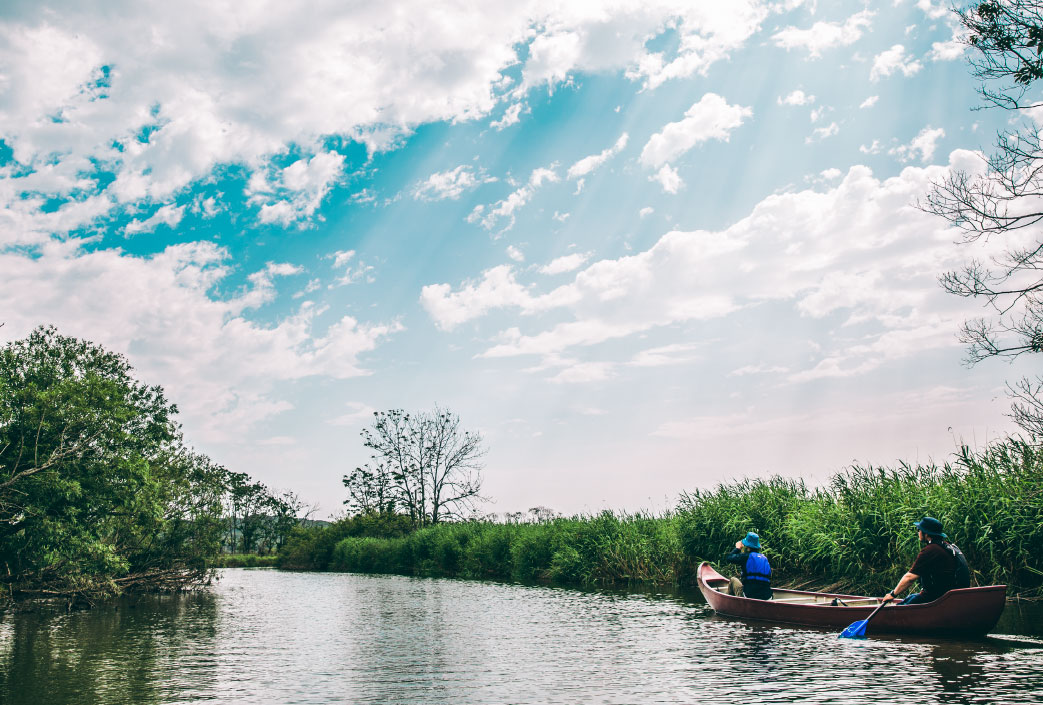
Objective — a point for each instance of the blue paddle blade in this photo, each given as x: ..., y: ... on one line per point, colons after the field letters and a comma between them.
x: 855, y: 631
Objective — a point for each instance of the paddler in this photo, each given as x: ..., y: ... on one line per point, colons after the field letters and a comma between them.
x: 756, y: 571
x: 940, y: 566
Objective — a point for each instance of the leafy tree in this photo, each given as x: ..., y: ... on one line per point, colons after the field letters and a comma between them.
x: 423, y: 464
x: 1002, y: 201
x: 96, y: 488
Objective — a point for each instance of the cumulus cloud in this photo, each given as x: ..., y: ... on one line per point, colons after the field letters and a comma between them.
x: 161, y: 94
x: 169, y: 215
x: 668, y: 178
x: 293, y: 193
x: 824, y: 35
x: 923, y: 145
x: 869, y: 102
x: 511, y: 116
x: 451, y: 184
x: 797, y: 97
x: 712, y: 118
x: 855, y: 254
x: 894, y: 60
x: 567, y: 263
x: 218, y: 365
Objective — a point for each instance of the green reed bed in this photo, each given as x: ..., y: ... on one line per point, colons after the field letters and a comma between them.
x: 853, y: 534
x: 857, y: 533
x: 598, y: 550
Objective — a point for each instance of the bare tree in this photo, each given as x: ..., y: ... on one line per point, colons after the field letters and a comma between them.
x: 423, y: 463
x: 1004, y: 199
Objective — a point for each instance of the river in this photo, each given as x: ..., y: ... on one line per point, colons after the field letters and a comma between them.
x: 264, y: 636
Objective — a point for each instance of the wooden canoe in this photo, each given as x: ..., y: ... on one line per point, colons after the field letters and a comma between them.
x: 967, y: 611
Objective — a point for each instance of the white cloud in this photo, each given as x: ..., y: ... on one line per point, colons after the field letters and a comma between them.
x: 215, y: 363
x: 584, y: 373
x: 869, y: 102
x: 821, y: 133
x: 451, y: 184
x: 490, y: 217
x: 673, y: 354
x: 797, y: 97
x: 515, y: 254
x: 589, y: 164
x: 297, y: 190
x: 855, y: 254
x: 873, y: 148
x: 668, y: 178
x: 162, y: 94
x: 645, y: 212
x: 354, y: 269
x: 566, y: 263
x: 358, y: 414
x: 169, y: 215
x: 924, y: 144
x: 933, y: 11
x: 498, y: 288
x: 712, y: 118
x: 824, y: 35
x: 511, y: 116
x: 893, y: 60
x: 831, y: 174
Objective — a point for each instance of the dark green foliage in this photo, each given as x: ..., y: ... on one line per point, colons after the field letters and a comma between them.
x: 310, y: 547
x: 601, y: 550
x: 97, y: 492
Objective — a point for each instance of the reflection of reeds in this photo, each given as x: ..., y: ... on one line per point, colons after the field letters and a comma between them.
x: 856, y: 533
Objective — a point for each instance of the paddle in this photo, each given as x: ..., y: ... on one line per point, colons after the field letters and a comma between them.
x: 858, y: 629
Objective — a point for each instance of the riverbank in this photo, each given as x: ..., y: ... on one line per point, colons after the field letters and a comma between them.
x: 854, y: 534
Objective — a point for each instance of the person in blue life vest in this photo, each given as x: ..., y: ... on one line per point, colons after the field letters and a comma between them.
x: 756, y: 571
x: 939, y: 567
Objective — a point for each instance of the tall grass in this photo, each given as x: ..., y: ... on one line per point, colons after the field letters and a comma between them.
x: 856, y: 533
x: 598, y: 550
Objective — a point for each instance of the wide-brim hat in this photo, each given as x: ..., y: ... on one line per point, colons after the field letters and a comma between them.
x: 931, y: 527
x: 752, y: 540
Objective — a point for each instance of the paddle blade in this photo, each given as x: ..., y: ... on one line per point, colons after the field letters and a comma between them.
x: 855, y: 631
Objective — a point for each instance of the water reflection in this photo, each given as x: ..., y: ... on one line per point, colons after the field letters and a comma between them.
x: 133, y: 651
x: 270, y: 637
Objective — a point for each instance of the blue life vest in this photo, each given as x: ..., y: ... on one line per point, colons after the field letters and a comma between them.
x: 758, y: 568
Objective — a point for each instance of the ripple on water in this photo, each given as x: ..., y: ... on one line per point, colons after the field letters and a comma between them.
x: 262, y: 636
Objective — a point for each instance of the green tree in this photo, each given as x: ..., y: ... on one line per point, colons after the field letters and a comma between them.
x: 1001, y: 201
x: 97, y: 491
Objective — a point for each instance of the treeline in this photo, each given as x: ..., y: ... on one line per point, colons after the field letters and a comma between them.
x: 854, y: 534
x: 99, y: 492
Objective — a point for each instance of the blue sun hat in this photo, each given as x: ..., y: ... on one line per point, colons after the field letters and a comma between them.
x: 753, y: 541
x: 931, y: 527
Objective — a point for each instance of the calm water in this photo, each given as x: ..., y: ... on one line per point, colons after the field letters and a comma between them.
x: 261, y: 636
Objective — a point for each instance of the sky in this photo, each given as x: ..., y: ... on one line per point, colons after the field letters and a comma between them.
x: 642, y: 247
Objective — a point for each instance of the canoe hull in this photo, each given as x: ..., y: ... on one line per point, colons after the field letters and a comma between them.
x: 968, y: 611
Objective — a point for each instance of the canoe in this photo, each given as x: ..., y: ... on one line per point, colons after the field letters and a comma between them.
x: 967, y: 611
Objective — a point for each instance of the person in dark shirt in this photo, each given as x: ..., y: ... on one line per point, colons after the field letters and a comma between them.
x: 756, y: 571
x: 934, y: 567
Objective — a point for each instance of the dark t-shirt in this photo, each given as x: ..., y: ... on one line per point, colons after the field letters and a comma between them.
x: 936, y: 568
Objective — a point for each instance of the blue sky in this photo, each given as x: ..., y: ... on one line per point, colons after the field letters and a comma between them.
x: 642, y: 247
